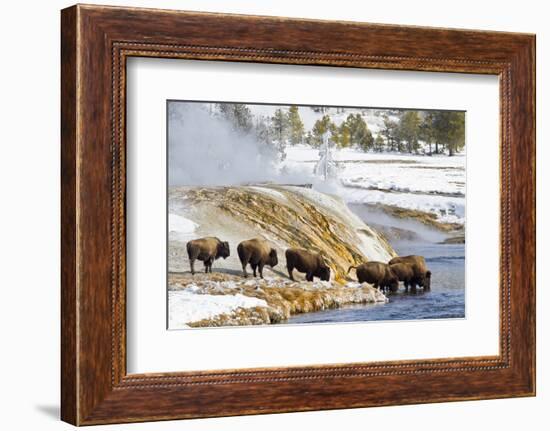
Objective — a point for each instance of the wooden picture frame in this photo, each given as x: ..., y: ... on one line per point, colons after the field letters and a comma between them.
x: 95, y: 43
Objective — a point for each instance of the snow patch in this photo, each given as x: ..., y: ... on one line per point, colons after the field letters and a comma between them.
x: 269, y: 191
x: 185, y: 306
x: 432, y: 184
x: 180, y: 228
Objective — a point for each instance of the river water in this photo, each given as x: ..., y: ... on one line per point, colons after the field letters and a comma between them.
x: 445, y: 300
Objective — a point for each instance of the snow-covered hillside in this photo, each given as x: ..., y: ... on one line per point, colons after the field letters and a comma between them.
x: 431, y: 184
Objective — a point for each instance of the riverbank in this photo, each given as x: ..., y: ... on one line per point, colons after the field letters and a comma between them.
x: 445, y: 300
x: 222, y: 299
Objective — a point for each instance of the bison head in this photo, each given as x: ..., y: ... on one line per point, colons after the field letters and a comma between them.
x: 324, y: 273
x: 393, y: 282
x: 273, y: 258
x: 427, y: 280
x: 223, y: 249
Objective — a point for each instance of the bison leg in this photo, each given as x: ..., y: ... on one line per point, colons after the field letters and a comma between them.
x: 261, y: 270
x: 245, y: 274
x: 192, y: 264
x: 290, y: 268
x: 208, y: 265
x: 309, y: 276
x: 290, y: 274
x: 244, y: 257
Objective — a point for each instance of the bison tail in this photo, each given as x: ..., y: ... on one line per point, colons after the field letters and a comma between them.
x: 240, y: 252
x: 350, y: 268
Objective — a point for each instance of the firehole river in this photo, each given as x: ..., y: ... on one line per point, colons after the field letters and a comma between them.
x: 445, y: 300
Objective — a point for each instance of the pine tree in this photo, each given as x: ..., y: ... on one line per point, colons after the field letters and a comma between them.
x: 379, y: 143
x: 297, y: 131
x: 409, y: 129
x: 344, y: 135
x: 360, y: 134
x: 280, y: 126
x: 322, y: 126
x: 309, y: 140
x: 237, y: 114
x: 457, y: 132
x: 449, y: 130
x: 263, y: 132
x: 390, y: 132
x: 426, y: 130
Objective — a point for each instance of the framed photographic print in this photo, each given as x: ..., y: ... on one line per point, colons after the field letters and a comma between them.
x: 265, y: 215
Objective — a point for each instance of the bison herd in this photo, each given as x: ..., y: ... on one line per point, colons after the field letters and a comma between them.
x: 411, y: 270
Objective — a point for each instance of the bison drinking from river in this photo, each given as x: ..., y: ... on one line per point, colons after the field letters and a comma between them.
x: 422, y: 276
x: 378, y: 274
x: 404, y: 272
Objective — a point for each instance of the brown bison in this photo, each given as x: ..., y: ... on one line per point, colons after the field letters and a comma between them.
x: 404, y: 273
x: 378, y: 274
x: 257, y: 252
x: 206, y: 249
x: 422, y: 276
x: 311, y: 263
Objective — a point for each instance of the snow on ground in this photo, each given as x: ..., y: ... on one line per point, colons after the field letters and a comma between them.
x: 198, y: 300
x: 180, y: 228
x: 448, y: 209
x: 269, y: 192
x: 434, y: 184
x: 186, y: 306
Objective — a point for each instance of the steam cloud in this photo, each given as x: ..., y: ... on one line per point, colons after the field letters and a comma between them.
x: 206, y: 150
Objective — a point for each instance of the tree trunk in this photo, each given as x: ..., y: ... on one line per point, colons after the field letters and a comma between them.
x: 451, y: 150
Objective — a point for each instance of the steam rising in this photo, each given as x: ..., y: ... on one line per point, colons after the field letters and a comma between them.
x: 207, y: 150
